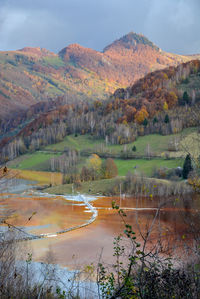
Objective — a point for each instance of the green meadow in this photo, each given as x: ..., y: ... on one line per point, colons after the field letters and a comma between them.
x: 159, y: 145
x: 35, y: 161
x: 145, y: 166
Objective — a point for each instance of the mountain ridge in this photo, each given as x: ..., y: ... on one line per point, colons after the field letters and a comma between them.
x: 31, y: 75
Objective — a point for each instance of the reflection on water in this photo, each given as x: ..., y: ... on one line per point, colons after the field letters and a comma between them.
x: 177, y: 221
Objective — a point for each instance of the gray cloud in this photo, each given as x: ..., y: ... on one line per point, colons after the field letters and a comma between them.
x: 172, y: 24
x: 175, y: 24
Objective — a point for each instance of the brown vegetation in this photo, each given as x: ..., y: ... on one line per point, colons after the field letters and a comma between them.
x: 31, y: 75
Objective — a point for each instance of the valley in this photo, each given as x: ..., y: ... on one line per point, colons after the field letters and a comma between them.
x: 126, y: 160
x: 101, y: 145
x: 160, y: 146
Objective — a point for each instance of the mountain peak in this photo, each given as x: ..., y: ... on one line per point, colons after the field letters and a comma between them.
x: 36, y: 51
x: 71, y: 49
x: 131, y: 40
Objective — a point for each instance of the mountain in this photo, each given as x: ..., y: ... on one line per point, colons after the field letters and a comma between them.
x: 163, y: 102
x: 32, y: 75
x: 162, y: 89
x: 130, y: 41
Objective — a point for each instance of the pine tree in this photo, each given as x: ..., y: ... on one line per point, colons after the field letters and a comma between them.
x: 134, y: 148
x: 166, y: 120
x: 155, y: 120
x: 145, y: 122
x: 186, y: 97
x: 187, y: 166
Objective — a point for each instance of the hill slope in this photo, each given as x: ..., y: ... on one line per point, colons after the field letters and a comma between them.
x: 31, y: 75
x: 163, y: 102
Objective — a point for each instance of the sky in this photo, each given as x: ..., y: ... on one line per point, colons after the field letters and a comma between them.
x: 173, y: 25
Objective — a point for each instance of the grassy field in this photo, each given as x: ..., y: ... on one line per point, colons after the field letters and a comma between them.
x: 80, y: 142
x: 41, y: 177
x: 145, y: 166
x: 55, y: 62
x: 39, y: 161
x: 99, y: 187
x: 27, y: 165
x: 35, y: 161
x: 158, y: 143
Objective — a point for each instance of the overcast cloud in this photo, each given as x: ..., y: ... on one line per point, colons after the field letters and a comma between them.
x: 173, y: 25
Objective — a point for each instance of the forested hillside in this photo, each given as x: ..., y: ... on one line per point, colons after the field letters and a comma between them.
x: 162, y: 102
x: 32, y: 75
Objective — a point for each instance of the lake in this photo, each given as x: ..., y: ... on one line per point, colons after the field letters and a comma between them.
x: 176, y: 222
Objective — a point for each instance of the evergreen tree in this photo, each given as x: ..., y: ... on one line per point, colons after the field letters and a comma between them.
x: 145, y: 122
x: 187, y: 166
x: 186, y: 99
x: 134, y: 148
x: 155, y: 120
x: 166, y: 120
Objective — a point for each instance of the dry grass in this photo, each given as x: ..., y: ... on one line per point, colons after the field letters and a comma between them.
x: 41, y: 177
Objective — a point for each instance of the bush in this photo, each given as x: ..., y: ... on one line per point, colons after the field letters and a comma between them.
x: 166, y: 173
x: 147, y: 274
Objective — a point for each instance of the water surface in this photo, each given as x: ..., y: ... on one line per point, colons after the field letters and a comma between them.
x: 177, y: 222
